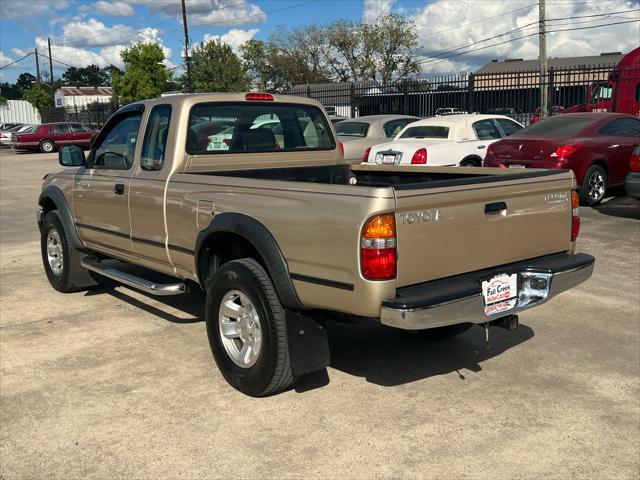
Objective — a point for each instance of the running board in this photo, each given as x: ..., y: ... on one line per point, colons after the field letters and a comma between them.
x: 147, y: 286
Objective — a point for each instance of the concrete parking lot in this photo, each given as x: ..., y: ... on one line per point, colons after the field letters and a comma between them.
x: 114, y: 384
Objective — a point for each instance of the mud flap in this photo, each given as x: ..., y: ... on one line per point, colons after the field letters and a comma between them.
x: 308, y: 344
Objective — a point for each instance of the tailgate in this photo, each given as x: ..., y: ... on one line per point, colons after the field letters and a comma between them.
x: 449, y: 230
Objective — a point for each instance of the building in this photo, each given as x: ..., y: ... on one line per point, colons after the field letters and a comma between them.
x: 19, y: 111
x: 72, y: 98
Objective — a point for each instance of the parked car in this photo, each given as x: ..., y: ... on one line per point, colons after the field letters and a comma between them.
x: 632, y: 181
x: 6, y: 138
x: 8, y: 125
x: 449, y: 111
x: 517, y: 114
x: 537, y: 113
x: 337, y: 119
x: 360, y: 133
x: 456, y: 140
x: 222, y: 140
x: 51, y: 136
x: 279, y: 237
x: 596, y: 146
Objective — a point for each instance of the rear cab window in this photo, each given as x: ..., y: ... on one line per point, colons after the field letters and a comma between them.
x: 257, y: 127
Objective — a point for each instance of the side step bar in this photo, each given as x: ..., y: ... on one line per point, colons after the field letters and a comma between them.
x: 147, y: 286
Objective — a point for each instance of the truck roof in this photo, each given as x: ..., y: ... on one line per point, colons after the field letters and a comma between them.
x: 193, y: 98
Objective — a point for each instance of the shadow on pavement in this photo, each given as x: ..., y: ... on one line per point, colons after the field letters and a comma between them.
x: 390, y: 357
x: 623, y: 207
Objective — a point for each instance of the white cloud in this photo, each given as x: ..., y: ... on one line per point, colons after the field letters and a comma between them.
x: 4, y: 59
x: 234, y: 37
x: 13, y: 9
x: 374, y: 9
x: 114, y: 9
x: 446, y: 15
x: 209, y: 12
x: 94, y: 33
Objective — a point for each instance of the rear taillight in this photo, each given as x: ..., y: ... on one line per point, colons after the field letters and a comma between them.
x: 490, y: 150
x: 259, y: 97
x: 575, y: 218
x: 634, y: 163
x: 420, y: 157
x: 365, y: 157
x: 341, y: 148
x: 378, y: 248
x: 566, y: 150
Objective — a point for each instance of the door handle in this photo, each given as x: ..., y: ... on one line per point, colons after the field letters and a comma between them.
x: 495, y: 208
x: 480, y: 147
x: 118, y: 189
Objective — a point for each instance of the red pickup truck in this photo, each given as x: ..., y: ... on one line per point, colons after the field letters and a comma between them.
x: 51, y: 136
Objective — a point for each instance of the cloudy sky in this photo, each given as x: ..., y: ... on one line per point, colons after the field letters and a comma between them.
x: 453, y: 34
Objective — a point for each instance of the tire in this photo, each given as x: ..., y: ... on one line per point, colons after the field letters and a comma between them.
x: 594, y: 186
x: 469, y: 162
x: 62, y: 262
x: 266, y: 367
x: 444, y: 332
x: 47, y: 146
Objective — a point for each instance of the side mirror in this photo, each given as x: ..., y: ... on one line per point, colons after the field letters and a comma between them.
x: 71, y: 156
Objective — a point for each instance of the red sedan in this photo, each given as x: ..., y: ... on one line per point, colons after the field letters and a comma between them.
x: 596, y: 146
x: 51, y: 136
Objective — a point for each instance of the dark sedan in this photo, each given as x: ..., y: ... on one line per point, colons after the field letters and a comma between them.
x: 596, y: 146
x: 51, y: 136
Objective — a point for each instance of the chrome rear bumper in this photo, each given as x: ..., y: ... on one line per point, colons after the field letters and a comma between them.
x: 464, y: 302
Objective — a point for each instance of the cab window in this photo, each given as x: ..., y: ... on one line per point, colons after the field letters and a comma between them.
x: 115, y: 149
x: 257, y: 127
x: 155, y: 138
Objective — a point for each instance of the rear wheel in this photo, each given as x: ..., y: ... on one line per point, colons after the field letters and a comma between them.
x: 444, y: 332
x: 47, y: 146
x: 470, y: 162
x: 593, y: 186
x: 246, y: 328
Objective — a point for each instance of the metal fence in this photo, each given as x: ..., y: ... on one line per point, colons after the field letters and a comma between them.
x: 516, y: 93
x: 94, y: 115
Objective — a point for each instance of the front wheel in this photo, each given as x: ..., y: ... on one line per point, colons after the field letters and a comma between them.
x: 593, y: 186
x: 246, y: 328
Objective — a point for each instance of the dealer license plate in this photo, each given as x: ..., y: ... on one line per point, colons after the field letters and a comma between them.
x: 515, y: 165
x: 500, y: 293
x: 389, y: 159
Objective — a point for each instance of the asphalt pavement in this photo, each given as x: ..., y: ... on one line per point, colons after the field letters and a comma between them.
x: 112, y: 383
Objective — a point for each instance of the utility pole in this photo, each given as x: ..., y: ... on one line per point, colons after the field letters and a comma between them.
x: 542, y: 42
x: 187, y: 59
x: 50, y: 61
x: 37, y: 67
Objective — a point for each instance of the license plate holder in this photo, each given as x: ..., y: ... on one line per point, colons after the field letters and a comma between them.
x: 500, y: 293
x: 516, y: 165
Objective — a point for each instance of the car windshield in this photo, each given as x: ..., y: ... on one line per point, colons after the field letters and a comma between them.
x: 555, y: 127
x: 426, y: 131
x: 352, y: 129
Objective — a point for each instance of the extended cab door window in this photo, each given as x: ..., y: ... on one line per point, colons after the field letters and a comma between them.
x: 114, y: 151
x: 155, y: 138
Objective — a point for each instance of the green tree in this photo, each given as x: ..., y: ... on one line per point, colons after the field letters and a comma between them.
x: 255, y: 54
x: 39, y: 97
x: 215, y: 68
x: 25, y: 81
x: 393, y: 40
x: 3, y: 100
x: 144, y: 75
x: 89, y: 76
x: 350, y: 52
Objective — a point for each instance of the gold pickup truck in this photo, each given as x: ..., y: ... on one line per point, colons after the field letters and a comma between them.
x: 247, y: 197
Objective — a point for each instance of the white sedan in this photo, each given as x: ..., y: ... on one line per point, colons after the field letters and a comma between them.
x: 453, y: 140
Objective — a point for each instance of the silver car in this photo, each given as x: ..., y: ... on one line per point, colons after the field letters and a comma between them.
x: 360, y: 133
x: 6, y: 137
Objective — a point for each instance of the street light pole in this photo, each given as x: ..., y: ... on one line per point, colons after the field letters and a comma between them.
x: 542, y: 42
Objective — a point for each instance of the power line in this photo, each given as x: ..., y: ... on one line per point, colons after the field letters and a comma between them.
x: 16, y: 61
x: 440, y: 60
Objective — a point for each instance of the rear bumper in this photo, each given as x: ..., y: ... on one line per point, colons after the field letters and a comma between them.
x: 459, y: 299
x: 632, y: 185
